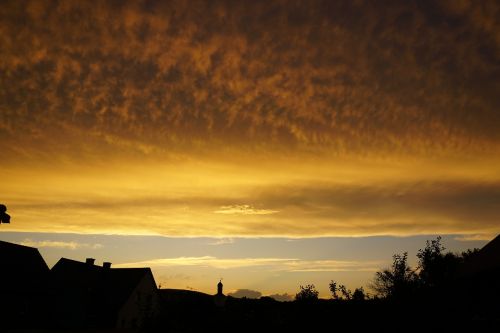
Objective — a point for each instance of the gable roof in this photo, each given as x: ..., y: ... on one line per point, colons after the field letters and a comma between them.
x: 492, y: 250
x: 22, y: 265
x: 184, y: 296
x: 487, y: 259
x: 104, y: 289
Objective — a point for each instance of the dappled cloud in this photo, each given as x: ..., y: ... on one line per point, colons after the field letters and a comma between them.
x: 162, y: 78
x: 250, y: 118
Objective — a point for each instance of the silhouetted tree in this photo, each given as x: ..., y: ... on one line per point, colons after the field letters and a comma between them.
x: 333, y: 289
x: 430, y: 263
x: 466, y: 255
x: 436, y: 268
x: 307, y: 293
x: 346, y: 293
x: 397, y: 282
x: 340, y: 292
x: 358, y: 294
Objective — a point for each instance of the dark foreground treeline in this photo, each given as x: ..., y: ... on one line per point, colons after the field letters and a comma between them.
x: 374, y: 315
x: 446, y: 292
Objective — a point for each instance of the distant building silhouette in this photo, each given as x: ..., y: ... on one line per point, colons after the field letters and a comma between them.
x: 91, y: 296
x: 219, y: 288
x: 23, y: 286
x: 220, y: 298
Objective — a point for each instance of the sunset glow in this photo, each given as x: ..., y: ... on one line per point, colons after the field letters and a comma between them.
x: 249, y: 119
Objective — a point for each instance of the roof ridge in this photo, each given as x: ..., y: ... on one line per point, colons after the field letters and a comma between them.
x: 19, y: 245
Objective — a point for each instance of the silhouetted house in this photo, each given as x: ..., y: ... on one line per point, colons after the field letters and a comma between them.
x: 487, y: 259
x: 183, y: 297
x: 180, y: 307
x: 23, y: 280
x: 91, y: 296
x: 480, y: 274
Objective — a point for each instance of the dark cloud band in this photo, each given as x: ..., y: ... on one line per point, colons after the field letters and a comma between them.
x: 155, y: 77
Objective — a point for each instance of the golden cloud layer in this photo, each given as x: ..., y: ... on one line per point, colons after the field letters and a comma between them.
x: 307, y: 200
x: 251, y: 118
x: 276, y: 264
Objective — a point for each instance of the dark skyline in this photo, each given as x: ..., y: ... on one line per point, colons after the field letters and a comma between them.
x: 255, y: 119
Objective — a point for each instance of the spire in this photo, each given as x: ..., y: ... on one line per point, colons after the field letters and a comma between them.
x: 219, y: 287
x: 220, y: 298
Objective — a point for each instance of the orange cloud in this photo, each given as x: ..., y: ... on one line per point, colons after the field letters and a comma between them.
x: 178, y: 77
x: 300, y: 119
x: 277, y: 264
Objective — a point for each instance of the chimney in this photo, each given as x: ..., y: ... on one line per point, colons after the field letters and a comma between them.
x: 89, y: 261
x: 106, y: 265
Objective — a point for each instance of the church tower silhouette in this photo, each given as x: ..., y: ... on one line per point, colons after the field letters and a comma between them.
x: 219, y: 287
x: 220, y: 298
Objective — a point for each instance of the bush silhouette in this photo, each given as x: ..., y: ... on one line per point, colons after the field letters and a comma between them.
x: 334, y: 289
x: 358, y: 294
x: 398, y: 282
x: 307, y: 294
x: 340, y: 292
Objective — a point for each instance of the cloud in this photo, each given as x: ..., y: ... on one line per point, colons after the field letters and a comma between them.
x: 307, y: 209
x: 275, y: 92
x: 475, y: 237
x: 60, y: 244
x: 222, y: 241
x: 152, y: 79
x: 177, y: 277
x: 276, y: 264
x: 404, y: 208
x: 247, y: 293
x: 208, y: 261
x: 244, y: 210
x: 282, y: 297
x: 332, y: 266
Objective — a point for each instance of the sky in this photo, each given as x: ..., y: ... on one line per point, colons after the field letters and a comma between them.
x: 270, y: 143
